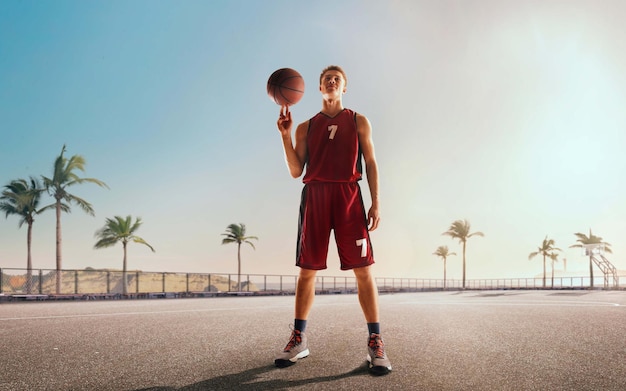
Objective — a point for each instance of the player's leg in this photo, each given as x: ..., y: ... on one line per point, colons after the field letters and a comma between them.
x: 368, y: 293
x: 314, y: 228
x: 297, y: 346
x: 379, y: 364
x: 354, y: 246
x: 305, y: 293
x: 355, y: 252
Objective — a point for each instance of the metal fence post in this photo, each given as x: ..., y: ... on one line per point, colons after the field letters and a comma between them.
x: 163, y: 282
x: 1, y: 279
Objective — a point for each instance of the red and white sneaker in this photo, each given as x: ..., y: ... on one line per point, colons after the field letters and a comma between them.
x: 378, y: 362
x: 296, y: 348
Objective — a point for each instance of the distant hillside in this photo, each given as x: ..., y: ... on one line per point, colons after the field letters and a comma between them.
x: 107, y: 280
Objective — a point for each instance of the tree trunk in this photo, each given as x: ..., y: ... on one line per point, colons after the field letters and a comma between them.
x: 444, y: 273
x: 591, y: 268
x: 544, y: 270
x: 463, y: 265
x: 238, y: 267
x: 58, y: 247
x: 124, y: 273
x: 29, y: 261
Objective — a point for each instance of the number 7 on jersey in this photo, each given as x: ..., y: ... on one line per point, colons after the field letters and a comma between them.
x: 332, y: 129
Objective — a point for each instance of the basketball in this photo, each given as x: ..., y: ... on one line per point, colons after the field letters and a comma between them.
x: 285, y: 87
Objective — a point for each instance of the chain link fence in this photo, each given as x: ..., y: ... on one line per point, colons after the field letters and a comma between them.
x: 93, y: 283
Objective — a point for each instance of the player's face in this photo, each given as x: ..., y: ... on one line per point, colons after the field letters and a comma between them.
x: 332, y: 83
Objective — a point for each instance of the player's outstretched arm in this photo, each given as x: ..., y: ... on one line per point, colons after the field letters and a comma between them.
x: 295, y: 155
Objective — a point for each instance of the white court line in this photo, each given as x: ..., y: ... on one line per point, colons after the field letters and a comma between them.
x: 265, y: 307
x: 419, y: 303
x: 528, y: 303
x: 135, y: 313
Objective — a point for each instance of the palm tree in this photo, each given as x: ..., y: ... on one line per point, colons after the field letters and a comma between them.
x: 119, y: 229
x: 443, y: 252
x: 64, y: 176
x: 584, y: 241
x: 236, y: 233
x: 547, y: 247
x: 22, y: 197
x: 554, y: 257
x: 460, y: 229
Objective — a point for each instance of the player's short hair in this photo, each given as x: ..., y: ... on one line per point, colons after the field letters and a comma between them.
x: 334, y: 68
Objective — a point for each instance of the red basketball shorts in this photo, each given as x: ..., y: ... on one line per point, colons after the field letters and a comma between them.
x: 333, y: 206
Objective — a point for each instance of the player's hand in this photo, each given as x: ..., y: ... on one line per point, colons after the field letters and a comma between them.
x: 284, y: 122
x: 373, y: 218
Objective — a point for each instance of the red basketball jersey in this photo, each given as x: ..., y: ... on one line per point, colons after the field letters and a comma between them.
x: 334, y: 154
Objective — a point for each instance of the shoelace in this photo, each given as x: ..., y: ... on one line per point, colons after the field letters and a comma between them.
x: 376, y: 343
x: 295, y: 339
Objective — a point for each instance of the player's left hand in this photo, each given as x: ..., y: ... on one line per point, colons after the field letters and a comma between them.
x: 373, y: 218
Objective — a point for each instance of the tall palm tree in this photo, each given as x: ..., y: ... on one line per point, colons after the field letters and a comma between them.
x: 119, y: 229
x: 21, y: 197
x: 443, y: 253
x: 554, y: 257
x: 583, y: 241
x: 460, y: 229
x: 547, y: 247
x: 64, y: 176
x: 236, y: 233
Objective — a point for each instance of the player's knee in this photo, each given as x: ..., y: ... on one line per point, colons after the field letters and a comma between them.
x: 362, y: 272
x: 307, y: 274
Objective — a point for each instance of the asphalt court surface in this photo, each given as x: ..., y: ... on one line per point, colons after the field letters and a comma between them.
x: 470, y: 340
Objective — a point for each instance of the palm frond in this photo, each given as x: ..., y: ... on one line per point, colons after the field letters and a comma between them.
x: 121, y: 229
x: 139, y: 240
x: 460, y: 229
x: 236, y: 233
x: 547, y: 247
x: 583, y: 240
x: 107, y: 241
x: 21, y: 197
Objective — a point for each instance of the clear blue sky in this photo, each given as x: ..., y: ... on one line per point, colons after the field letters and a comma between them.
x: 509, y: 114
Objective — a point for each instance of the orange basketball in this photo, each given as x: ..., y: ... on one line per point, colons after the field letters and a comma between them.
x: 285, y: 87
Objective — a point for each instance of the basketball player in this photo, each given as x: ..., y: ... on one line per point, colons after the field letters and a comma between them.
x: 331, y: 145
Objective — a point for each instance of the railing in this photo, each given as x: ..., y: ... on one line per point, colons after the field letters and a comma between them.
x: 105, y: 283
